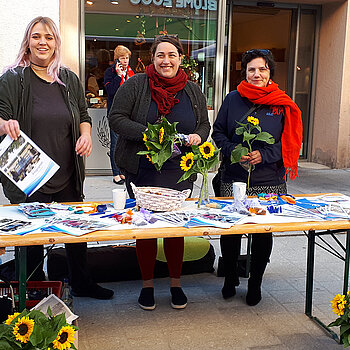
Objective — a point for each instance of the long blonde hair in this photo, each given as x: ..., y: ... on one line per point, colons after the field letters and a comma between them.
x: 23, y: 60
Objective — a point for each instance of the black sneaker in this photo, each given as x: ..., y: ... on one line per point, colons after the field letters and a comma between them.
x: 178, y: 298
x: 95, y: 291
x: 146, y: 299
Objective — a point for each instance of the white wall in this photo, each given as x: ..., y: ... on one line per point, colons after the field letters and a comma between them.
x: 15, y: 15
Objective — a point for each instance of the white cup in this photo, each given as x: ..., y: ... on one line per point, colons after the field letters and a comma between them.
x: 119, y: 198
x: 239, y: 190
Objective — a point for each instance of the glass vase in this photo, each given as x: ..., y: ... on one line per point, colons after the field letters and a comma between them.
x: 204, y: 193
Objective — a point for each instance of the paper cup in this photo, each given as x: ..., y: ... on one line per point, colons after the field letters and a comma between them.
x: 119, y: 198
x: 239, y: 190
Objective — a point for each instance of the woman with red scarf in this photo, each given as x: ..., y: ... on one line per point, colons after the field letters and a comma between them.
x: 145, y: 98
x: 258, y: 96
x: 115, y: 76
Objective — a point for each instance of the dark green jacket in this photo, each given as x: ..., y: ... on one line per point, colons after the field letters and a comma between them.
x: 128, y: 115
x: 16, y: 103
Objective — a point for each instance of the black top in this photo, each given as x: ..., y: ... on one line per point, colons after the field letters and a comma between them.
x: 52, y: 130
x: 271, y: 170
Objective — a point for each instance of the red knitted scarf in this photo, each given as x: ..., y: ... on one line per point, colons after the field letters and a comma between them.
x: 279, y: 101
x: 164, y: 89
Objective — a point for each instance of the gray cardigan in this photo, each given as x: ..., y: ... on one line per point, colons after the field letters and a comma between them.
x: 128, y: 116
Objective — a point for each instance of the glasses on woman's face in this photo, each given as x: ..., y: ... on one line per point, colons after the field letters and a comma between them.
x: 260, y: 51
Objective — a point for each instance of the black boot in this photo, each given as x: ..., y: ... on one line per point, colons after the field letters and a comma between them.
x: 261, y: 251
x: 230, y: 249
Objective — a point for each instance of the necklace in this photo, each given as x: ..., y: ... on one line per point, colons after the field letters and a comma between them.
x: 38, y: 69
x: 38, y: 65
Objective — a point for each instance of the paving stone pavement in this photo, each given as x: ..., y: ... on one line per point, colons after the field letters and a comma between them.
x: 278, y: 322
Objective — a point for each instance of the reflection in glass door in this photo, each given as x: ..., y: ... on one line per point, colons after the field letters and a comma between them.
x: 302, y: 93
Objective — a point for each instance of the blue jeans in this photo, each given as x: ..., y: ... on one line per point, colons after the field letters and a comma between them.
x: 114, y: 139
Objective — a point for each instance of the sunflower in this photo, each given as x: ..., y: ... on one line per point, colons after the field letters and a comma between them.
x: 338, y: 304
x: 23, y: 329
x: 11, y: 318
x: 186, y: 161
x: 207, y: 150
x: 161, y: 135
x: 64, y: 338
x: 252, y: 120
x: 149, y: 158
x: 144, y: 137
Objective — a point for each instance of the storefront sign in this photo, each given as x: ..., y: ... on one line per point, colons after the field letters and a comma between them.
x: 210, y: 5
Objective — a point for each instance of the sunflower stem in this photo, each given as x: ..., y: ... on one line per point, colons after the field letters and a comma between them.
x: 204, y: 189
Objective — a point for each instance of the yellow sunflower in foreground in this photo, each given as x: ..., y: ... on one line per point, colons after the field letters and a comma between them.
x: 64, y: 339
x: 144, y: 137
x: 338, y: 304
x: 253, y: 120
x: 11, y: 318
x: 207, y: 150
x: 23, y: 329
x: 187, y: 161
x: 161, y: 135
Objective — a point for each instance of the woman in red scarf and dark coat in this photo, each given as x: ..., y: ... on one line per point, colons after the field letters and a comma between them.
x: 145, y: 98
x: 279, y: 116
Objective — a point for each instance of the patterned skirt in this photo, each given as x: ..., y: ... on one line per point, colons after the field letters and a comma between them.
x: 226, y: 189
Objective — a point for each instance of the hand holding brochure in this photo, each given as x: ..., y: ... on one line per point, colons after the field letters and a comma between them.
x: 25, y: 164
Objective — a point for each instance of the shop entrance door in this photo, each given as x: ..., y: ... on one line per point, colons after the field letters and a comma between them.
x: 289, y: 33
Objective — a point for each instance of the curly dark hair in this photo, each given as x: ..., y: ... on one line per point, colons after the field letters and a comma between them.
x: 167, y: 39
x: 256, y: 53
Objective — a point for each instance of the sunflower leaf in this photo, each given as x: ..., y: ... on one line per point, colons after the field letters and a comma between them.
x: 238, y: 152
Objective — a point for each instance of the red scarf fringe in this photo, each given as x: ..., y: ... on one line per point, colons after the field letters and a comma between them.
x: 292, y: 134
x: 164, y: 89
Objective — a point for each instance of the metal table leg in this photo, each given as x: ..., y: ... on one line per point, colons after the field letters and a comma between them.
x: 310, y: 272
x: 21, y: 272
x: 346, y: 266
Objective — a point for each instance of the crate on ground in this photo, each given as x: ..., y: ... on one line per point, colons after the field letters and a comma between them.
x: 36, y: 290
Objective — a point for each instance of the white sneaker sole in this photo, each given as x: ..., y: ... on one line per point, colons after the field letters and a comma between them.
x: 147, y: 307
x: 178, y: 307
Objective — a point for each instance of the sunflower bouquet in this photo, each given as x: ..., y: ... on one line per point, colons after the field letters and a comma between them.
x: 200, y: 160
x: 32, y: 330
x: 251, y: 132
x: 341, y: 307
x: 160, y: 141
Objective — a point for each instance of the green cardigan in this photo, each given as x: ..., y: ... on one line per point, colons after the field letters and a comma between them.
x: 16, y: 103
x: 128, y: 115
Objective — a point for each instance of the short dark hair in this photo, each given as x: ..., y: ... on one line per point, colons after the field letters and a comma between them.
x: 167, y: 39
x: 256, y: 53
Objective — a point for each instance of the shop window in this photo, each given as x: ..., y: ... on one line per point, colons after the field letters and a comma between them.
x: 135, y: 24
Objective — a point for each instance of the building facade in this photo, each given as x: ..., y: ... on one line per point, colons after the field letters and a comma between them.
x: 309, y: 39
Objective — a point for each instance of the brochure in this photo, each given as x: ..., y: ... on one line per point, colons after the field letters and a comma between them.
x: 25, y: 164
x: 57, y: 307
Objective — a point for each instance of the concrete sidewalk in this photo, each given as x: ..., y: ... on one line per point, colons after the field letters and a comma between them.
x: 278, y: 322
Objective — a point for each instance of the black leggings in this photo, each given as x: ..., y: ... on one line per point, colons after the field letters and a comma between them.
x: 260, y: 253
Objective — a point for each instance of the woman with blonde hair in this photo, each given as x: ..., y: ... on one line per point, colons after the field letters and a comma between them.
x: 29, y: 88
x: 115, y: 76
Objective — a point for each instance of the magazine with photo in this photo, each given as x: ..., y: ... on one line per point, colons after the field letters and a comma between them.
x: 25, y: 164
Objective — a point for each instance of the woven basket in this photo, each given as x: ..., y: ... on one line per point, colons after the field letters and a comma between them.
x: 159, y: 198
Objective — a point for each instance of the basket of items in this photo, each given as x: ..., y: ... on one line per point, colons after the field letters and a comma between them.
x: 159, y: 198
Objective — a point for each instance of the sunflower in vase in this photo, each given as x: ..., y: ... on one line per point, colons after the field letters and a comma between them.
x: 200, y: 160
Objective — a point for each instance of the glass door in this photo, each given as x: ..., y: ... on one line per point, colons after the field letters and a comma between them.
x: 290, y: 33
